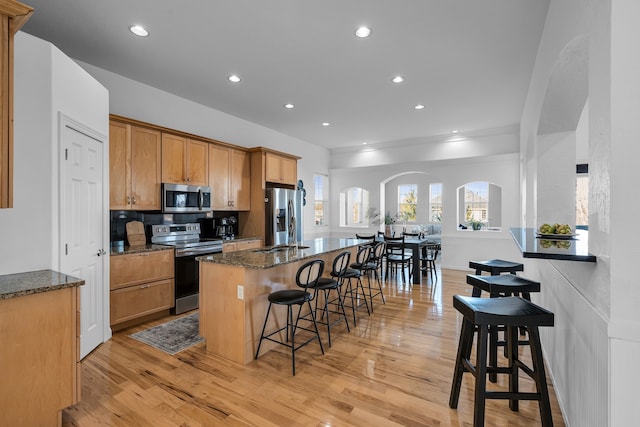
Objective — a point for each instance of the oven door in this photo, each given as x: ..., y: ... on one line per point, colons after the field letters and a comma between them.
x: 187, y: 278
x: 177, y: 198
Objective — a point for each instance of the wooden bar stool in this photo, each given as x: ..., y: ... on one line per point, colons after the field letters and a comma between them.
x: 496, y: 266
x: 513, y: 312
x: 501, y: 286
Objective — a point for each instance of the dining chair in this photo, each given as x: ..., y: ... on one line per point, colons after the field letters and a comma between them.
x: 398, y: 256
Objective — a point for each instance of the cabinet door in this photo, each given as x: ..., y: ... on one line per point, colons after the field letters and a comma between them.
x: 240, y: 180
x: 119, y: 166
x: 173, y: 159
x: 141, y: 300
x: 219, y: 177
x: 145, y: 168
x: 288, y: 171
x: 197, y: 158
x: 140, y: 268
x: 272, y: 168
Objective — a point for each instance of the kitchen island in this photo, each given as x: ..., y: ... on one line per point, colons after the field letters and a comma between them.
x: 40, y: 354
x: 234, y: 288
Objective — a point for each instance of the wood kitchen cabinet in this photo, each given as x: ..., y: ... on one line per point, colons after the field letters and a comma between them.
x: 40, y: 356
x: 12, y: 16
x: 141, y: 284
x: 281, y: 169
x: 230, y: 178
x: 134, y: 167
x: 269, y: 168
x: 240, y: 245
x: 184, y: 160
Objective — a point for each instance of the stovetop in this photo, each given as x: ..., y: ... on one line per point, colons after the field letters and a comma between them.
x: 182, y: 236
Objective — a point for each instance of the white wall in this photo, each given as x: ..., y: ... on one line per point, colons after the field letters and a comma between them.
x: 597, y: 334
x: 46, y: 82
x: 135, y: 100
x: 459, y: 246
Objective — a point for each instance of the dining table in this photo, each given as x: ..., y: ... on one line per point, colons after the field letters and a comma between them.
x: 417, y: 244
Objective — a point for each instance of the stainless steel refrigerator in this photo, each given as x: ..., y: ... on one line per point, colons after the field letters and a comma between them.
x: 284, y: 216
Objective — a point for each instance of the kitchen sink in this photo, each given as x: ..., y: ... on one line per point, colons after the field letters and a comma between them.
x: 275, y: 249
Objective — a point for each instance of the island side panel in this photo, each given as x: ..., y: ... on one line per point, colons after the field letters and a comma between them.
x: 222, y: 313
x: 39, y: 357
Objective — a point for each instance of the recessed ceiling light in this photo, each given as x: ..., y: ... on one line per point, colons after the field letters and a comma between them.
x: 233, y: 78
x: 397, y: 79
x: 454, y: 131
x: 289, y: 106
x: 363, y: 32
x: 419, y: 107
x: 364, y: 143
x: 325, y: 123
x: 139, y: 31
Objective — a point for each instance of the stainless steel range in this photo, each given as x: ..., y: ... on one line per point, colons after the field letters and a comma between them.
x: 185, y: 238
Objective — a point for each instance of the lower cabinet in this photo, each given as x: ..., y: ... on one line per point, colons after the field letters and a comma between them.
x: 241, y: 245
x: 140, y: 300
x: 141, y: 284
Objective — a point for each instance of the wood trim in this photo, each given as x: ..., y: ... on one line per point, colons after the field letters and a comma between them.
x: 18, y: 12
x: 276, y: 152
x: 175, y: 132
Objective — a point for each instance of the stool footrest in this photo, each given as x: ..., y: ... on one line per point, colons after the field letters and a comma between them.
x: 506, y: 395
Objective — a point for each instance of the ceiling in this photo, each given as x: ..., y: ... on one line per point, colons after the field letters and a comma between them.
x: 469, y: 62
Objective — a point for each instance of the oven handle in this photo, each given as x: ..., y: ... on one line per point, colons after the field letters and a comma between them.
x: 196, y: 252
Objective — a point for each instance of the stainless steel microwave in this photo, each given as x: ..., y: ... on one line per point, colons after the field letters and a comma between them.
x: 178, y: 198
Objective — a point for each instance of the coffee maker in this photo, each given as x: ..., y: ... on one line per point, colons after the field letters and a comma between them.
x: 224, y: 229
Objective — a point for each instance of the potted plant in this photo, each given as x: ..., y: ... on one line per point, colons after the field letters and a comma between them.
x: 475, y: 224
x: 388, y: 223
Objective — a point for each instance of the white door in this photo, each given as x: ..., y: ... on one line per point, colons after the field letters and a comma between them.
x: 81, y: 223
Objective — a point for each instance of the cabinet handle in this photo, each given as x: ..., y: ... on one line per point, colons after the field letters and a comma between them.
x: 145, y: 286
x: 128, y: 200
x: 134, y: 200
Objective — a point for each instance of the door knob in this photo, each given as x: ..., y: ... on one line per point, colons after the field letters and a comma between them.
x: 101, y: 252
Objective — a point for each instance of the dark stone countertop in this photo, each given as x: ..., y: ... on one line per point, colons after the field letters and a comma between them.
x: 125, y: 250
x: 33, y: 282
x: 271, y: 256
x: 532, y: 246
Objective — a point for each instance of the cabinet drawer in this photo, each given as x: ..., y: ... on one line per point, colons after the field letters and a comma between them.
x: 140, y: 300
x: 133, y: 269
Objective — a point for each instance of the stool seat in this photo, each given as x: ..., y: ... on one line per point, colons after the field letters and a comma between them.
x: 289, y: 296
x: 481, y: 314
x: 496, y: 266
x: 506, y: 284
x: 508, y: 311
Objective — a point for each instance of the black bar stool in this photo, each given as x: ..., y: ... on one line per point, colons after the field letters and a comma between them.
x: 496, y: 266
x: 326, y: 285
x: 501, y: 286
x: 306, y: 278
x: 481, y: 313
x: 363, y: 254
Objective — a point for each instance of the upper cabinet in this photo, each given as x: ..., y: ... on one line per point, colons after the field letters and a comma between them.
x: 281, y: 169
x: 229, y: 178
x: 184, y: 160
x: 12, y: 16
x: 134, y: 165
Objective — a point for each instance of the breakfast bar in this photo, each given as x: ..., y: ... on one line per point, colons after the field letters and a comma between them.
x: 234, y: 288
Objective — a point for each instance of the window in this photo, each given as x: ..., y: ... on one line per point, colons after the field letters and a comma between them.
x: 435, y: 202
x: 582, y: 196
x: 407, y: 201
x: 354, y: 203
x: 320, y: 201
x: 480, y: 205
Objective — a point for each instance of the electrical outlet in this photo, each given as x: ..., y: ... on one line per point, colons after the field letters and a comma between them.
x: 240, y: 292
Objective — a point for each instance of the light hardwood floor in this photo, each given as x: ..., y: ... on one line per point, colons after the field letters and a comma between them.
x: 393, y: 369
